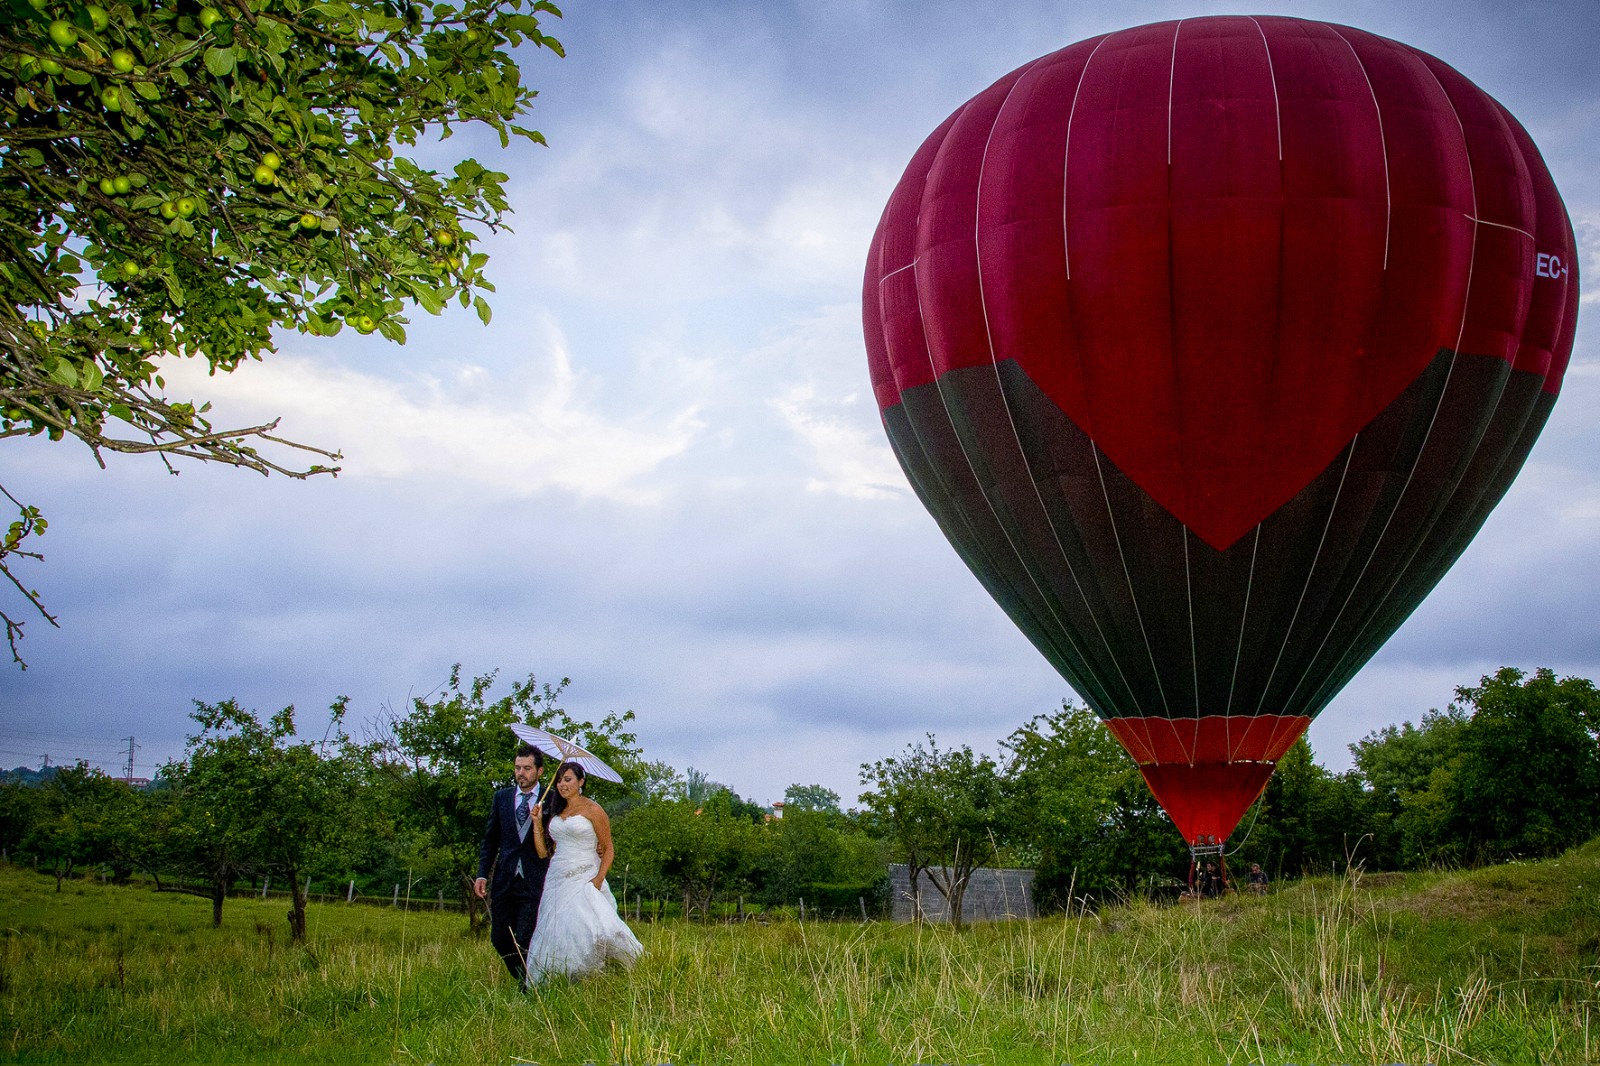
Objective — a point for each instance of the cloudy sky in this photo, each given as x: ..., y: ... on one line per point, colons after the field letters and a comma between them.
x: 659, y: 471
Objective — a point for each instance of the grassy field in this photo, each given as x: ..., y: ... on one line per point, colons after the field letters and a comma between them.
x: 1489, y: 966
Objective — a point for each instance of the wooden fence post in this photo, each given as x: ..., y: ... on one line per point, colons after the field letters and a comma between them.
x: 863, y: 901
x: 350, y: 896
x: 802, y: 908
x: 396, y: 901
x: 265, y: 881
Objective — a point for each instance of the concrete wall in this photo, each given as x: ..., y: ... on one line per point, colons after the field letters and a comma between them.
x: 991, y: 895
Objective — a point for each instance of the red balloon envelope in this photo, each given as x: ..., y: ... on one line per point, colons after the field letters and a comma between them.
x: 1210, y: 344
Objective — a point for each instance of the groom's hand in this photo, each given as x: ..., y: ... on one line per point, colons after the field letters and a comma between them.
x: 480, y: 888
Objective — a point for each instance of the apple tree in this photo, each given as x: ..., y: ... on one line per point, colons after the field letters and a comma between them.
x: 941, y: 813
x: 186, y: 180
x: 441, y: 761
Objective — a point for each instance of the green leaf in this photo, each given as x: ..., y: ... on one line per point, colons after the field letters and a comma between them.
x: 64, y: 373
x: 174, y: 290
x: 219, y: 61
x: 482, y: 307
x: 428, y: 299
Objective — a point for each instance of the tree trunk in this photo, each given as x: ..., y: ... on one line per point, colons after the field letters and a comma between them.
x: 914, y: 872
x: 297, y: 908
x: 957, y: 895
x: 477, y: 909
x: 952, y: 885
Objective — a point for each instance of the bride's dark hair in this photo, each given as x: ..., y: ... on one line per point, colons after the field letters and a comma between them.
x: 559, y: 804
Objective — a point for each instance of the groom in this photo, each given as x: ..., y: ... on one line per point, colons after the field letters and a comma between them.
x: 518, y: 870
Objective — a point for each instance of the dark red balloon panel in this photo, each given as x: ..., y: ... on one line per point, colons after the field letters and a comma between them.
x: 1210, y: 344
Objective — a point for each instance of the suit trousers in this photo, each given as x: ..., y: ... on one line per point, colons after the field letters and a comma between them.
x: 513, y: 913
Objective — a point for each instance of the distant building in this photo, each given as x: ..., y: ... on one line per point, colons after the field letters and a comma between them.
x: 992, y: 895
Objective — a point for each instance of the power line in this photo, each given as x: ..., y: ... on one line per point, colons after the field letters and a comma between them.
x: 42, y: 740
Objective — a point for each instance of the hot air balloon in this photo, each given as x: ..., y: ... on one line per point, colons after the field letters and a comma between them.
x: 1209, y: 345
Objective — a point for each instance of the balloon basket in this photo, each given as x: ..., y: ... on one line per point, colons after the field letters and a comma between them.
x: 1208, y: 867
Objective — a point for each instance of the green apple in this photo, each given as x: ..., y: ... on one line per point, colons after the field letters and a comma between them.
x: 63, y: 33
x: 98, y: 17
x: 111, y: 98
x: 108, y: 186
x: 366, y: 324
x: 169, y: 209
x: 445, y: 238
x: 121, y: 183
x: 122, y: 61
x: 272, y: 160
x: 50, y: 66
x: 209, y: 16
x: 130, y: 269
x: 265, y: 175
x: 187, y: 205
x: 309, y: 221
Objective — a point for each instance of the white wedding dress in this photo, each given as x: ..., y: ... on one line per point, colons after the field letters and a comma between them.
x: 579, y: 930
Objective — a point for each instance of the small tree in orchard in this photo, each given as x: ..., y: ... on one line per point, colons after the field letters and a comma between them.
x: 253, y: 796
x: 206, y: 837
x: 1080, y: 812
x: 183, y: 180
x: 82, y: 818
x: 941, y: 812
x: 699, y: 852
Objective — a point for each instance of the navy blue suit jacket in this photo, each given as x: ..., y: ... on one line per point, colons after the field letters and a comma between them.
x: 501, y: 847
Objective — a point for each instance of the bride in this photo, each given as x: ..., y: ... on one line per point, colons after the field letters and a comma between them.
x: 578, y: 930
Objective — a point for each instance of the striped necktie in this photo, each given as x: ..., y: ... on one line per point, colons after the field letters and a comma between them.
x: 522, y: 811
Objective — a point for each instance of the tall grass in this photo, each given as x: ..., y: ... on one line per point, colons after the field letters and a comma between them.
x: 1494, y: 966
